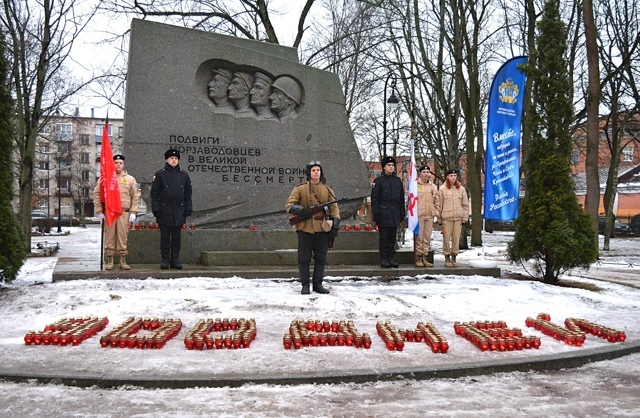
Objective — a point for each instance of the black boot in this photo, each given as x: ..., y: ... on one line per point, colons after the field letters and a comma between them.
x: 318, y: 277
x: 392, y: 262
x: 175, y: 260
x: 384, y: 263
x: 303, y: 269
x: 165, y: 260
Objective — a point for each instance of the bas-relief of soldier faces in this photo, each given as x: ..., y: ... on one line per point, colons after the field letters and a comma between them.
x: 253, y: 93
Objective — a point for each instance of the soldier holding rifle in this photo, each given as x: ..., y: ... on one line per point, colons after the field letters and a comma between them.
x: 315, y: 229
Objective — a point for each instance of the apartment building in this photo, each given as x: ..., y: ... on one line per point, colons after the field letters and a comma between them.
x: 67, y: 163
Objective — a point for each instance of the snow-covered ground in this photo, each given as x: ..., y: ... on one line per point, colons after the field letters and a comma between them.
x: 599, y: 389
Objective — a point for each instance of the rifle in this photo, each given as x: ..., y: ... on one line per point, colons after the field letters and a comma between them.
x: 294, y: 219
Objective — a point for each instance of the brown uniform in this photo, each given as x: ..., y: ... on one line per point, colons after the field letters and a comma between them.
x: 116, y: 234
x: 453, y: 211
x: 304, y: 196
x: 312, y: 240
x: 427, y: 202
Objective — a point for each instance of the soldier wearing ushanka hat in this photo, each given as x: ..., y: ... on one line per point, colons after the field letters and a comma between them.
x: 117, y: 234
x: 453, y: 211
x: 387, y: 205
x: 171, y: 204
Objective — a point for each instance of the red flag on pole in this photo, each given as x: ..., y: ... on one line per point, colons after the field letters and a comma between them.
x: 109, y: 188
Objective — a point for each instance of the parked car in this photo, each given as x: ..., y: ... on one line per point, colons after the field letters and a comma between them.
x: 67, y: 220
x: 494, y: 225
x: 40, y: 221
x: 36, y: 214
x: 620, y: 229
x: 634, y: 224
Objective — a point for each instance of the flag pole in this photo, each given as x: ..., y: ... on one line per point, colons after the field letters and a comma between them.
x: 101, y: 243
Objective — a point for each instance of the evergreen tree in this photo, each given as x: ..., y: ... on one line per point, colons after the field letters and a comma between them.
x: 552, y: 231
x: 12, y: 251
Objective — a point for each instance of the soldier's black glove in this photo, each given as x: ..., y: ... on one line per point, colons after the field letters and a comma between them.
x: 300, y: 210
x: 156, y: 214
x: 188, y: 213
x: 336, y: 227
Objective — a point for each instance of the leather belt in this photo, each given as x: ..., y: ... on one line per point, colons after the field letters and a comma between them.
x: 318, y: 218
x: 126, y: 210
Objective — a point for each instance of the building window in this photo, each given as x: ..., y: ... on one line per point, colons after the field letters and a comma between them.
x: 44, y: 183
x: 65, y: 184
x: 376, y: 173
x: 84, y: 139
x: 65, y: 132
x: 44, y: 148
x: 99, y: 129
x: 86, y: 175
x: 84, y: 158
x: 64, y: 166
x: 86, y: 191
x: 64, y: 147
x: 575, y: 157
x: 44, y: 165
x: 627, y: 153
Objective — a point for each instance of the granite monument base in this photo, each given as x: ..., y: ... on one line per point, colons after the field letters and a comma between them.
x: 232, y: 247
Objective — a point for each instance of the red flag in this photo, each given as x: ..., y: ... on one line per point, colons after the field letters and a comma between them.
x: 109, y: 188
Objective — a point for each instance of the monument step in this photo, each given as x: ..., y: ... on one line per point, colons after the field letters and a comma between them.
x: 290, y: 258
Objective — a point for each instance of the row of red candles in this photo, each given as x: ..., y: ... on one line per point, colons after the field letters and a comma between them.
x: 575, y: 330
x: 67, y: 331
x: 126, y: 335
x: 495, y: 336
x: 395, y: 338
x: 153, y: 225
x: 568, y: 336
x: 484, y: 334
x: 314, y: 333
x: 610, y: 334
x: 199, y: 337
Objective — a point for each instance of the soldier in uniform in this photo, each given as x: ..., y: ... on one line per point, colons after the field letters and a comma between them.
x: 171, y: 204
x: 312, y: 238
x: 387, y: 206
x: 427, y: 203
x: 116, y: 235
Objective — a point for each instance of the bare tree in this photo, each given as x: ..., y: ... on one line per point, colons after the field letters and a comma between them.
x: 619, y: 55
x: 41, y: 35
x: 249, y: 19
x: 592, y: 199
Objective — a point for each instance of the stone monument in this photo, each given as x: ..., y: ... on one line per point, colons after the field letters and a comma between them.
x: 246, y: 117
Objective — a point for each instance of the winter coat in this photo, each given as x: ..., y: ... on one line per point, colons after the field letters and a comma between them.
x: 387, y: 201
x: 428, y: 197
x: 129, y: 194
x: 171, y: 196
x: 453, y: 203
x: 302, y: 195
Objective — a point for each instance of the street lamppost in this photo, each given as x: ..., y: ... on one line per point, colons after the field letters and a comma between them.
x: 393, y: 103
x: 48, y: 188
x: 59, y: 197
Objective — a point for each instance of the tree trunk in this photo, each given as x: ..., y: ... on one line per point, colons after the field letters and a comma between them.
x: 592, y: 199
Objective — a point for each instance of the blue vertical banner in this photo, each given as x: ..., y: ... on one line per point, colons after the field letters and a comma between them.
x: 502, y: 170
